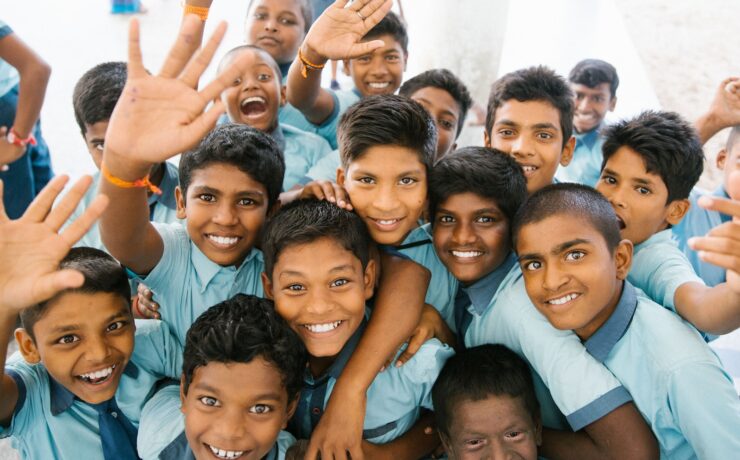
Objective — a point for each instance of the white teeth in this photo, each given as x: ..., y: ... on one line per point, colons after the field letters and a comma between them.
x: 319, y: 328
x: 528, y: 168
x: 97, y: 375
x: 227, y: 454
x: 376, y: 85
x: 387, y: 222
x: 563, y: 300
x: 466, y: 254
x: 253, y: 99
x: 223, y: 240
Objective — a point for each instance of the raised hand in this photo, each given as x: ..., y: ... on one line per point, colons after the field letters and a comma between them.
x: 724, y: 110
x: 31, y: 247
x: 338, y: 32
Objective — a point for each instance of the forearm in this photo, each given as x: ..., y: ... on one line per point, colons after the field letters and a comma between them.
x: 414, y: 444
x: 32, y: 89
x: 8, y: 390
x: 715, y: 310
x: 707, y: 126
x: 306, y: 94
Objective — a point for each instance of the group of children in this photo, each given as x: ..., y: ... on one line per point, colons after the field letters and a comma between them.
x: 332, y: 277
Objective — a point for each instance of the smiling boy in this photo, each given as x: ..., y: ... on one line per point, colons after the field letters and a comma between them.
x: 530, y: 117
x: 575, y: 266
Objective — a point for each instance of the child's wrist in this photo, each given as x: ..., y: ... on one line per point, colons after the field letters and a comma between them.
x: 311, y: 55
x: 124, y: 168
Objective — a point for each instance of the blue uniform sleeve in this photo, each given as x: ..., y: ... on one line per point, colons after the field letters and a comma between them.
x: 284, y: 441
x: 705, y: 406
x: 325, y: 168
x: 157, y: 350
x: 161, y: 422
x: 416, y: 378
x: 32, y: 382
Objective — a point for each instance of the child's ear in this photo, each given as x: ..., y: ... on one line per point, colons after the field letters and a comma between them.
x: 341, y: 177
x: 345, y: 67
x: 180, y: 200
x: 283, y: 96
x: 182, y: 393
x: 27, y: 346
x: 721, y: 159
x: 292, y: 406
x: 446, y: 444
x: 486, y: 139
x: 369, y: 278
x: 623, y: 258
x: 538, y: 431
x: 405, y: 60
x: 567, y: 155
x: 612, y: 103
x: 676, y: 210
x: 267, y: 285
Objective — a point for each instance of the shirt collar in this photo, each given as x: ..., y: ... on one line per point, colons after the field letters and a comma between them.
x: 284, y: 68
x: 279, y: 137
x: 341, y: 360
x: 589, y: 138
x: 178, y: 449
x: 206, y: 269
x: 482, y: 291
x: 660, y: 237
x: 357, y: 92
x: 600, y: 344
x: 61, y: 399
x: 170, y: 181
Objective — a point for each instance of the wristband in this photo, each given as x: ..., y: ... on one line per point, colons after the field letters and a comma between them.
x: 200, y: 11
x: 307, y: 65
x: 14, y: 138
x: 144, y: 182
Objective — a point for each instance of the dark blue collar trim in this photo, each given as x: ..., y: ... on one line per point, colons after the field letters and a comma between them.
x: 600, y: 344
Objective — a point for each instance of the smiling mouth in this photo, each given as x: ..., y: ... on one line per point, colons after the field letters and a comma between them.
x: 98, y: 377
x: 225, y: 454
x: 253, y: 107
x: 379, y: 85
x: 466, y: 254
x: 223, y: 242
x: 529, y: 169
x: 564, y: 299
x: 386, y: 223
x: 323, y: 328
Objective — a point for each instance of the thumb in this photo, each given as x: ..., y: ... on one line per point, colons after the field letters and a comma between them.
x: 363, y: 48
x: 733, y: 189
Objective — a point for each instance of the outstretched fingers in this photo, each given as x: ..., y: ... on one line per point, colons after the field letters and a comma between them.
x: 40, y: 206
x: 213, y: 89
x: 67, y: 204
x: 183, y: 49
x: 203, y: 57
x: 77, y: 229
x: 374, y: 11
x: 135, y: 65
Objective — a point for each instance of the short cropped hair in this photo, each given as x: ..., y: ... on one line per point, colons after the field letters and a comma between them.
x: 265, y: 55
x: 593, y: 72
x: 446, y: 81
x: 391, y: 25
x: 669, y: 146
x: 573, y: 200
x: 533, y: 84
x: 248, y: 149
x: 103, y: 274
x: 240, y: 330
x: 478, y: 373
x: 305, y: 221
x: 386, y: 120
x: 307, y: 12
x: 488, y: 173
x: 96, y: 93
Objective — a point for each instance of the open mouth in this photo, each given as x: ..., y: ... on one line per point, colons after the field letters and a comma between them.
x: 323, y: 328
x: 379, y: 85
x: 98, y: 377
x: 564, y: 299
x: 223, y: 242
x: 253, y: 107
x: 529, y: 169
x: 226, y: 454
x: 386, y: 224
x: 466, y: 254
x: 621, y: 223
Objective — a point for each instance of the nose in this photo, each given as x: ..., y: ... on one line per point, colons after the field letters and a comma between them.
x: 554, y: 278
x: 270, y: 25
x: 521, y: 147
x: 582, y: 104
x: 319, y: 301
x: 97, y: 350
x: 231, y: 425
x: 385, y: 200
x: 225, y: 214
x: 378, y: 67
x: 615, y: 195
x: 462, y: 234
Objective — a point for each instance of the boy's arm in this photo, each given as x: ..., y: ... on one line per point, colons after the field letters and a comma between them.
x: 723, y: 112
x: 30, y: 252
x: 418, y: 442
x: 336, y: 34
x: 715, y: 310
x: 198, y: 4
x: 34, y: 74
x: 156, y: 117
x: 398, y: 304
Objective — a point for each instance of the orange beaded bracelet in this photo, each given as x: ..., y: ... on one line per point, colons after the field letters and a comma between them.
x: 200, y: 11
x: 307, y: 65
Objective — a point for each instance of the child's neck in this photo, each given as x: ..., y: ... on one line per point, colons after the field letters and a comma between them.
x: 319, y: 364
x: 603, y: 316
x: 507, y: 262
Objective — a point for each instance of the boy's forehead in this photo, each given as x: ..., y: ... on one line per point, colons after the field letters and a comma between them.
x: 257, y: 377
x: 528, y: 114
x: 81, y: 309
x: 437, y: 96
x: 391, y: 44
x: 302, y: 257
x: 257, y: 57
x: 469, y: 201
x: 562, y: 229
x: 388, y: 159
x: 223, y: 177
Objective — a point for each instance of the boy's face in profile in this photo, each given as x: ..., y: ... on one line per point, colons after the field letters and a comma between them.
x: 380, y: 72
x: 445, y: 112
x: 85, y: 341
x: 639, y: 198
x: 320, y: 289
x: 277, y: 26
x: 224, y: 211
x: 235, y: 410
x: 471, y: 236
x: 95, y: 140
x: 256, y: 95
x: 530, y: 132
x: 498, y: 427
x: 387, y: 185
x: 570, y: 274
x: 591, y: 105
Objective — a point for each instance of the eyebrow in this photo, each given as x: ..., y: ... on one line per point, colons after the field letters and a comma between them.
x: 544, y: 126
x: 637, y: 180
x: 214, y: 191
x: 410, y: 172
x: 569, y: 244
x: 76, y: 327
x: 340, y: 268
x: 205, y: 387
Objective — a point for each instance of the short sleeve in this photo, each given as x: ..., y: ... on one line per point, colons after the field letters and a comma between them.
x: 157, y: 350
x: 417, y: 376
x: 284, y: 441
x: 325, y: 168
x: 161, y: 422
x: 705, y: 406
x: 5, y: 30
x: 166, y: 279
x: 31, y: 381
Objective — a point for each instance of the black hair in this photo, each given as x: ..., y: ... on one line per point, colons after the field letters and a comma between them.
x: 386, y: 120
x: 306, y: 13
x: 265, y: 55
x: 248, y: 149
x: 391, y: 25
x: 240, y: 329
x: 733, y: 138
x: 305, y: 221
x: 576, y: 200
x: 593, y: 72
x: 488, y: 173
x: 478, y: 373
x: 669, y: 146
x: 533, y: 84
x: 96, y: 93
x: 103, y: 274
x: 446, y: 81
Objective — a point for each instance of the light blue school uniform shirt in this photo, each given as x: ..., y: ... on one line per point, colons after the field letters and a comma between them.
x: 162, y: 208
x: 567, y: 378
x: 394, y: 398
x: 302, y: 151
x: 698, y: 222
x: 186, y: 283
x: 585, y: 167
x: 676, y: 380
x: 289, y: 115
x: 162, y: 430
x: 50, y: 422
x: 9, y: 76
x: 418, y: 247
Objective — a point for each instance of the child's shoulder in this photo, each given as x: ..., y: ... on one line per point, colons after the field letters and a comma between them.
x: 426, y: 363
x: 161, y: 422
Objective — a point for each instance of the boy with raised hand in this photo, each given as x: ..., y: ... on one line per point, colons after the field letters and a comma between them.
x: 474, y: 194
x: 651, y: 163
x: 575, y: 265
x: 530, y: 117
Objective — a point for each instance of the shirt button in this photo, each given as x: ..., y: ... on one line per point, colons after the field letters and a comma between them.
x: 316, y: 410
x: 114, y: 414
